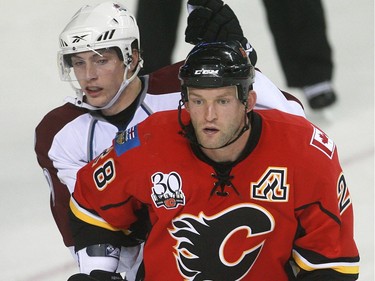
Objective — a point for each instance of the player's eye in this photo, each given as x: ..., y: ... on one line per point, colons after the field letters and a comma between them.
x: 77, y: 63
x: 196, y: 101
x: 101, y: 61
x: 223, y: 101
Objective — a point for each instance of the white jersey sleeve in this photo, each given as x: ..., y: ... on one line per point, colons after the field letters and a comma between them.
x: 271, y: 97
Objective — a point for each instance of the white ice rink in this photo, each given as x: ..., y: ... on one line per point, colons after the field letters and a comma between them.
x: 31, y: 248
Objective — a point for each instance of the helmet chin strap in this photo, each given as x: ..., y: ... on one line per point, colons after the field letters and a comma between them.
x: 78, y: 101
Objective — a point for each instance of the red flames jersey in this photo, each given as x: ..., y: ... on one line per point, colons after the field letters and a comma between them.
x: 284, y: 208
x: 68, y: 137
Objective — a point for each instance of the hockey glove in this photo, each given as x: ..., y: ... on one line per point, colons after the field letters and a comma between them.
x: 212, y: 20
x: 96, y: 275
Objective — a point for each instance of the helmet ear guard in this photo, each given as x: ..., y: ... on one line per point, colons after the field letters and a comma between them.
x: 215, y: 65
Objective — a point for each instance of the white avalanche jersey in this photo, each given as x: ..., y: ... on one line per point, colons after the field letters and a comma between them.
x: 85, y: 137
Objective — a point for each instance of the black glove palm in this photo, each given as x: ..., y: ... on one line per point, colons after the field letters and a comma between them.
x: 212, y: 21
x: 96, y: 275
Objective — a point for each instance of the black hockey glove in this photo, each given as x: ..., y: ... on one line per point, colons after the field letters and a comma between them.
x: 96, y: 275
x: 212, y: 20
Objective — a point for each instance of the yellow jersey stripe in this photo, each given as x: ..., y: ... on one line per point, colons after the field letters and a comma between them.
x: 88, y: 217
x: 342, y: 267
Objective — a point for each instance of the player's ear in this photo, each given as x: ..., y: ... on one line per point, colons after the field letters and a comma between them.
x: 251, y: 100
x: 134, y: 59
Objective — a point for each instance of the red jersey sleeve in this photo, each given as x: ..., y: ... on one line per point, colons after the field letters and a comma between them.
x: 99, y: 195
x: 324, y: 212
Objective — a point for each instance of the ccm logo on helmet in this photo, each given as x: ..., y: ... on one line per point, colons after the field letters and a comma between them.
x: 206, y: 71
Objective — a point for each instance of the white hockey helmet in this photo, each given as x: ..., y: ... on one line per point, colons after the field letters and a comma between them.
x: 105, y: 25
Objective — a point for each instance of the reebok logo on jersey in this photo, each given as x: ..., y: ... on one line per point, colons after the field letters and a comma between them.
x: 322, y: 142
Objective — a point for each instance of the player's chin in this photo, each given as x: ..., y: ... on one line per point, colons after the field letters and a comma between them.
x: 96, y: 101
x: 209, y: 143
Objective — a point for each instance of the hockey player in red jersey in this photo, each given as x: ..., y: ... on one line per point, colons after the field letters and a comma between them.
x: 100, y: 57
x: 233, y: 193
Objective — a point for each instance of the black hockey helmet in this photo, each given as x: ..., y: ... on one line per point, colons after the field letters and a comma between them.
x: 215, y: 65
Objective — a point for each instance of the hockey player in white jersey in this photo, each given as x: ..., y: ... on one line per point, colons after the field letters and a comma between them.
x: 100, y: 57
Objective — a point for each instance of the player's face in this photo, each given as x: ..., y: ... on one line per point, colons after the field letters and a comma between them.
x: 216, y: 114
x: 99, y: 75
